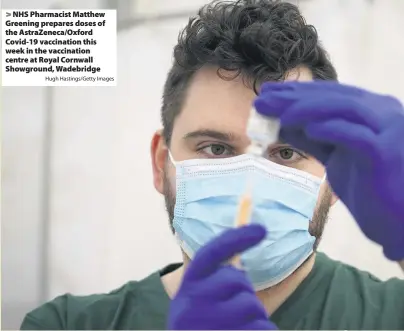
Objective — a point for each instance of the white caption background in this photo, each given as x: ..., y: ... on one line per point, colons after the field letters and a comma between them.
x: 75, y: 54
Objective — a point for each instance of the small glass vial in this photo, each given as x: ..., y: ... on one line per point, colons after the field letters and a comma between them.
x: 262, y: 131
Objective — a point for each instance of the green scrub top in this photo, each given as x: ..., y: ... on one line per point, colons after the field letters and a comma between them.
x: 334, y: 296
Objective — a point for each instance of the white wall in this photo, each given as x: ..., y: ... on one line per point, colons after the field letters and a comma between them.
x: 108, y: 225
x: 22, y: 197
x: 21, y: 200
x: 24, y: 184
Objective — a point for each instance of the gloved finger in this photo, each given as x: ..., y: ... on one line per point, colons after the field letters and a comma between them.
x: 223, y: 284
x: 326, y: 107
x: 277, y: 86
x: 339, y: 132
x: 221, y: 249
x: 390, y: 137
x: 316, y: 86
x: 271, y: 109
x: 298, y: 139
x: 278, y: 103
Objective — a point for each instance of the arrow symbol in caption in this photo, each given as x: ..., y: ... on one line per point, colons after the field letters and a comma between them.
x: 8, y: 14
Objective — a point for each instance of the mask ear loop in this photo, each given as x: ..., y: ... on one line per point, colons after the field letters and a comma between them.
x: 322, y: 182
x: 170, y: 156
x: 323, y: 179
x: 177, y: 238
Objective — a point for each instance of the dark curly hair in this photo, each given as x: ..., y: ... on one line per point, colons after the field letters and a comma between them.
x: 261, y: 40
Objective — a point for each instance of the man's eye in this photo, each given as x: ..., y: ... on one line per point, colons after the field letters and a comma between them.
x: 215, y: 150
x: 285, y: 155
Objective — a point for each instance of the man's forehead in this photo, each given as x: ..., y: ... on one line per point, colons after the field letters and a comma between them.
x: 225, y: 88
x: 302, y: 74
x: 218, y: 85
x: 221, y: 105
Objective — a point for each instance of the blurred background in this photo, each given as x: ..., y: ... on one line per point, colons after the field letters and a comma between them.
x: 79, y: 211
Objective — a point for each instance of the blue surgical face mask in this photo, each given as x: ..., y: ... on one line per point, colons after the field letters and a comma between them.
x: 208, y: 192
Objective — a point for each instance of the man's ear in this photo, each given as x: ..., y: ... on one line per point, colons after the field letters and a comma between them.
x: 334, y: 199
x: 158, y: 152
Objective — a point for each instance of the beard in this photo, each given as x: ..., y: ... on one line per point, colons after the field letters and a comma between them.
x: 316, y: 226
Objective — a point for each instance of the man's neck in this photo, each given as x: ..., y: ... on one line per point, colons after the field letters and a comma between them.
x: 272, y: 298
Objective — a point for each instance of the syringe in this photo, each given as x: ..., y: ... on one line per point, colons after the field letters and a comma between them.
x: 243, y: 218
x: 262, y: 131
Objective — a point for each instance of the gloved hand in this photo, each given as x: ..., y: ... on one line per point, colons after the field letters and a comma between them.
x: 359, y: 137
x: 214, y: 296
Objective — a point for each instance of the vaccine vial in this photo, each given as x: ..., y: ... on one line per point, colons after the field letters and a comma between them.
x: 262, y: 131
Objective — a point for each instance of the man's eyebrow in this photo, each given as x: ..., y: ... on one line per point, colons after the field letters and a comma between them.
x: 207, y: 133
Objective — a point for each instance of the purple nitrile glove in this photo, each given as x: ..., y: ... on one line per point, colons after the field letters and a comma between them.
x: 359, y: 137
x: 214, y: 296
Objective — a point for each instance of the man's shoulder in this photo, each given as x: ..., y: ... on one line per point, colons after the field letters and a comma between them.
x: 373, y: 303
x: 123, y: 308
x: 67, y: 311
x: 357, y: 277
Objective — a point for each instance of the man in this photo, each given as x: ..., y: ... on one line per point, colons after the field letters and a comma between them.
x: 225, y: 57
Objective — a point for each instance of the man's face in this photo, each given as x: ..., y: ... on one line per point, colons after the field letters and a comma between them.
x: 212, y: 124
